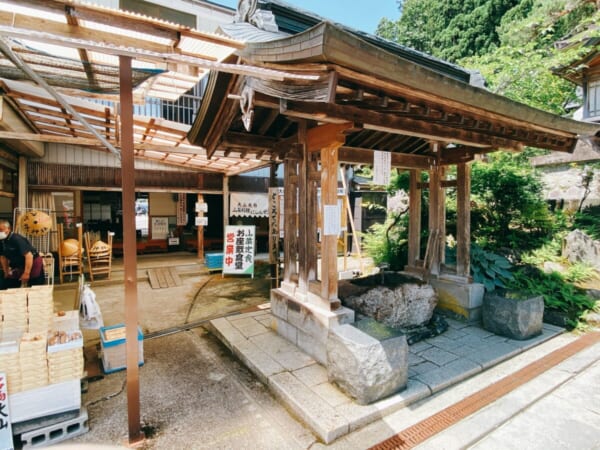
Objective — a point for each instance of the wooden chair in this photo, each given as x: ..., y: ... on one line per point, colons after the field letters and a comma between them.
x: 70, y: 264
x: 48, y: 267
x: 99, y: 260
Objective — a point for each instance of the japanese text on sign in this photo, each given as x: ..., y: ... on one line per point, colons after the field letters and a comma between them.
x: 238, y: 254
x: 6, y: 438
x: 273, y: 225
x: 382, y: 166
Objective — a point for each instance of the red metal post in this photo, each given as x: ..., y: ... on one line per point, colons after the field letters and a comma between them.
x: 129, y: 248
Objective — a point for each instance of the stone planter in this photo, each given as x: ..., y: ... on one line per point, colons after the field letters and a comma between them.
x: 513, y: 317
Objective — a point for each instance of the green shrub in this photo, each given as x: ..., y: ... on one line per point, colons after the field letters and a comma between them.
x: 490, y: 269
x: 558, y: 294
x: 588, y: 220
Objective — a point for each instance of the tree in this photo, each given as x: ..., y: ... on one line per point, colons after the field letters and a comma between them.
x: 509, y: 207
x: 450, y: 29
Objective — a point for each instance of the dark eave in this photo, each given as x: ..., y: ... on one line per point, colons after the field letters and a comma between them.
x: 327, y: 43
x: 294, y: 20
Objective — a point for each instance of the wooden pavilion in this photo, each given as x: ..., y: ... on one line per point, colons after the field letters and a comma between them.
x: 371, y: 96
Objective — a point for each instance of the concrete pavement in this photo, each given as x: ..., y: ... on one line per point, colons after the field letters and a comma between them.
x: 558, y: 410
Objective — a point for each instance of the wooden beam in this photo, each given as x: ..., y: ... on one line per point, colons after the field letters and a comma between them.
x: 463, y: 220
x: 355, y: 155
x: 11, y: 122
x: 394, y: 124
x: 326, y: 135
x: 72, y: 31
x: 243, y: 140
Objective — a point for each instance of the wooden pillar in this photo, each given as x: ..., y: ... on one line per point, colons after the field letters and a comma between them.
x: 442, y: 217
x: 463, y: 220
x: 329, y: 270
x: 312, y: 214
x: 22, y: 201
x: 200, y: 231
x: 414, y: 223
x: 290, y: 201
x: 435, y: 244
x: 129, y: 249
x: 274, y: 234
x: 225, y: 202
x: 303, y: 228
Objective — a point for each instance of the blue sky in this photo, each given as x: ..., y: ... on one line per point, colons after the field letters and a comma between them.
x: 360, y: 14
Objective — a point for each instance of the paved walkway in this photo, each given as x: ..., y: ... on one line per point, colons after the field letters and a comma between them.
x: 558, y: 410
x: 301, y: 383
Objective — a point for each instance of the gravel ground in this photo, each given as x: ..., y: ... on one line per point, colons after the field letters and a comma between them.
x: 193, y: 394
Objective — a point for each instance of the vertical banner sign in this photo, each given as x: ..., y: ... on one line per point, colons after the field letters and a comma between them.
x: 331, y: 220
x: 182, y: 217
x: 238, y: 254
x: 382, y: 166
x: 273, y: 225
x: 6, y: 437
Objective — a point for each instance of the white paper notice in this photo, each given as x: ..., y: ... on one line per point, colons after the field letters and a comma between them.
x: 382, y: 166
x: 331, y: 220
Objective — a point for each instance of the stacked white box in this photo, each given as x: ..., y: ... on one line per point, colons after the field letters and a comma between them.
x: 32, y: 359
x: 65, y: 356
x: 65, y: 321
x: 14, y: 313
x: 9, y: 364
x: 40, y: 309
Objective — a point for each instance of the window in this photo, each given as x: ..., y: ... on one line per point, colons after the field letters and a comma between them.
x: 593, y: 98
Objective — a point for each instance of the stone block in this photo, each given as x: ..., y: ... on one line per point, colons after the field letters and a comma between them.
x: 285, y: 330
x: 462, y: 300
x: 311, y: 375
x: 259, y: 362
x: 313, y: 346
x: 408, y: 303
x: 282, y: 351
x: 322, y: 418
x: 365, y: 368
x: 578, y: 247
x: 278, y: 304
x: 513, y: 318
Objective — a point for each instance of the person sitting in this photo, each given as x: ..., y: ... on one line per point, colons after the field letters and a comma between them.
x: 21, y: 263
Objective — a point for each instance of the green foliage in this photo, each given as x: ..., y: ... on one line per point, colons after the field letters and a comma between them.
x: 579, y: 272
x: 490, y: 269
x: 450, y: 29
x: 509, y: 210
x: 511, y: 42
x: 387, y: 243
x: 588, y: 220
x: 558, y: 294
x: 549, y: 251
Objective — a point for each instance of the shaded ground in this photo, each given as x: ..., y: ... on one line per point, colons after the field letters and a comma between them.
x: 192, y: 395
x: 201, y: 295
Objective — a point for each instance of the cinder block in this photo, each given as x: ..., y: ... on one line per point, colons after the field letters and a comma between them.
x: 52, y: 434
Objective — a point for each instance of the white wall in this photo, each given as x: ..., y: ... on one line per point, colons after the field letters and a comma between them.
x: 75, y: 155
x: 564, y: 182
